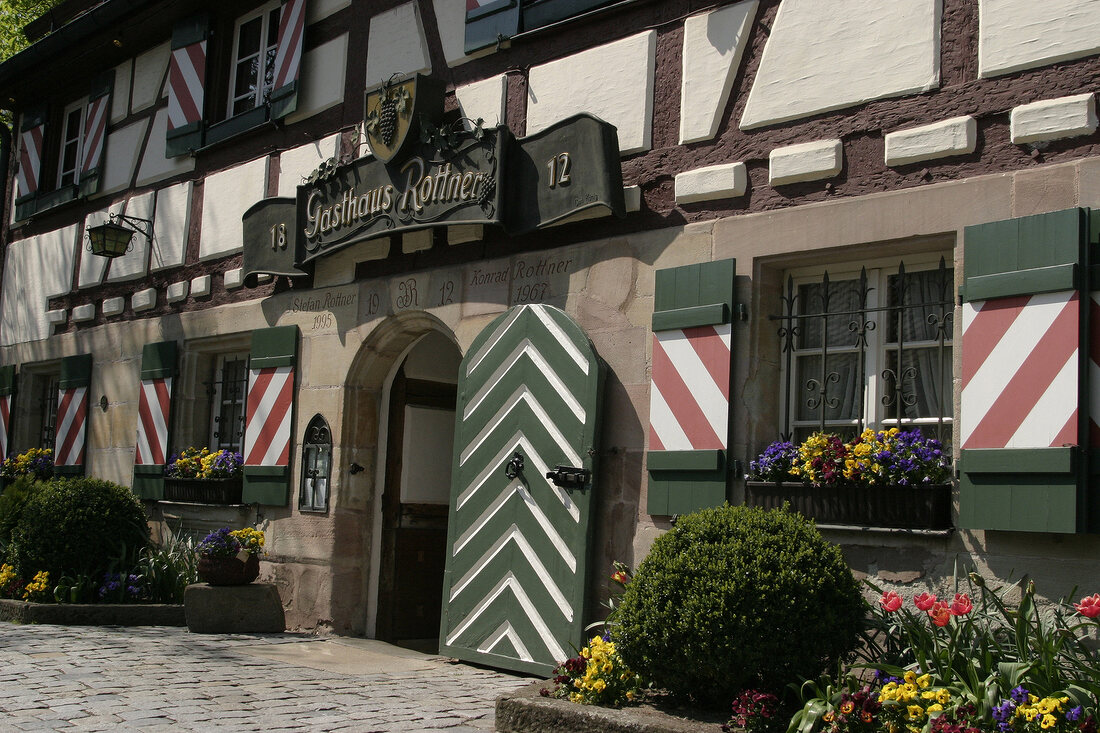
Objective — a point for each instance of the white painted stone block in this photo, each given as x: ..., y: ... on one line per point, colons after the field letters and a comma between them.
x: 226, y: 196
x: 176, y: 292
x: 263, y: 277
x: 143, y: 300
x: 120, y: 95
x: 120, y: 157
x: 135, y: 263
x: 173, y: 217
x: 823, y: 56
x: 114, y: 306
x: 396, y: 44
x: 83, y: 313
x: 57, y: 317
x: 613, y: 82
x: 1053, y: 119
x: 154, y: 165
x: 463, y: 233
x: 321, y: 9
x: 320, y: 87
x: 35, y: 269
x: 632, y: 195
x: 201, y: 286
x: 713, y: 182
x: 417, y: 241
x: 484, y: 99
x: 149, y: 73
x: 233, y: 279
x: 93, y: 267
x: 805, y: 162
x: 1023, y: 34
x: 297, y: 163
x: 713, y: 45
x: 956, y: 136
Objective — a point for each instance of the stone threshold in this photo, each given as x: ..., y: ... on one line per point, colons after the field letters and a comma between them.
x: 92, y: 614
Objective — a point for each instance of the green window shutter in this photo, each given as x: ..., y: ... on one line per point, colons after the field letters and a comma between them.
x: 1018, y: 472
x: 76, y: 374
x: 284, y: 97
x: 95, y: 133
x: 7, y: 380
x: 273, y: 359
x: 187, y: 86
x: 158, y: 362
x: 7, y: 396
x: 689, y: 417
x: 76, y: 371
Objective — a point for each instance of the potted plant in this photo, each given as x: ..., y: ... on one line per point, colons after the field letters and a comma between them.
x: 230, y: 557
x: 883, y: 478
x: 204, y: 476
x: 35, y: 462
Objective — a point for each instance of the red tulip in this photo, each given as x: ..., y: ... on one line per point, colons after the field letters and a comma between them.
x: 961, y: 605
x: 925, y: 601
x: 1089, y: 606
x: 940, y: 613
x: 619, y: 577
x: 890, y: 601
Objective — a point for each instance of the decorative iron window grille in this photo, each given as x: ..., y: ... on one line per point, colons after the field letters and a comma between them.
x: 227, y: 403
x: 48, y: 410
x: 316, y: 466
x: 870, y: 351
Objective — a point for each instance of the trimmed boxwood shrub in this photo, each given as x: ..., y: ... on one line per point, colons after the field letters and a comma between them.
x: 13, y: 498
x: 738, y: 597
x: 78, y: 526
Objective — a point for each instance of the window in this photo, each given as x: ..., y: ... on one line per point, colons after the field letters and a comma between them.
x: 228, y: 390
x: 316, y: 466
x: 72, y: 138
x: 867, y: 348
x: 48, y: 386
x: 255, y: 44
x: 488, y: 22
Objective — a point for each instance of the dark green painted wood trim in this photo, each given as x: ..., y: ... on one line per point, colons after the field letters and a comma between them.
x: 686, y: 460
x: 1023, y: 282
x: 7, y: 380
x: 149, y: 482
x: 32, y: 117
x: 274, y: 347
x: 688, y: 286
x: 1019, y: 460
x: 683, y: 492
x: 700, y: 315
x: 158, y: 360
x: 191, y: 30
x: 268, y: 485
x: 237, y: 125
x: 284, y: 100
x: 76, y: 371
x: 68, y: 471
x: 1020, y: 502
x: 1025, y: 243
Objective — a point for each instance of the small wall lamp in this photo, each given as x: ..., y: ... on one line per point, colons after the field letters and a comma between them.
x: 113, y: 238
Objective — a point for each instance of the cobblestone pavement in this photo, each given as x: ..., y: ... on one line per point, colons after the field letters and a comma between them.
x: 166, y: 679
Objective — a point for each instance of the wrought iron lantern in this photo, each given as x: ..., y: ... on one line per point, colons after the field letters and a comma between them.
x: 113, y: 238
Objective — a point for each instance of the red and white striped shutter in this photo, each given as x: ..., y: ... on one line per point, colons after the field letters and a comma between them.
x: 187, y: 86
x: 7, y: 392
x: 689, y: 394
x: 72, y: 414
x: 32, y: 131
x: 288, y: 58
x: 95, y: 133
x: 158, y: 370
x: 269, y: 413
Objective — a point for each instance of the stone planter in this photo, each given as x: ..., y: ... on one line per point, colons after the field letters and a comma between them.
x: 902, y: 507
x: 203, y: 491
x: 228, y: 570
x: 244, y: 609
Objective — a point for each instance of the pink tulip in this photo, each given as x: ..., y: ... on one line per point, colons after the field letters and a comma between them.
x: 1089, y: 606
x: 925, y: 601
x: 940, y: 613
x: 961, y: 605
x: 890, y: 601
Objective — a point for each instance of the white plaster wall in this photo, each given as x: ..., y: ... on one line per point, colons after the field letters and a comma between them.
x: 396, y: 45
x: 173, y: 214
x: 149, y: 71
x: 296, y: 163
x: 120, y: 157
x: 450, y: 19
x: 135, y: 263
x: 120, y: 97
x: 484, y: 99
x: 713, y: 46
x: 322, y: 78
x: 154, y: 166
x: 613, y: 82
x: 1021, y: 34
x: 320, y: 9
x: 35, y: 269
x: 829, y: 55
x: 226, y: 196
x: 92, y: 267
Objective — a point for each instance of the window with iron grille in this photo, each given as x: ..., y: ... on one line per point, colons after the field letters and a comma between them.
x: 47, y: 400
x: 255, y: 45
x: 227, y: 415
x: 316, y: 466
x: 867, y: 348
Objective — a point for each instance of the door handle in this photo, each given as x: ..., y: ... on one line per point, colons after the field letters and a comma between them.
x: 569, y: 477
x: 514, y: 467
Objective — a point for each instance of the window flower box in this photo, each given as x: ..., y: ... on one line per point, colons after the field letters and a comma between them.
x: 203, y: 490
x: 923, y: 506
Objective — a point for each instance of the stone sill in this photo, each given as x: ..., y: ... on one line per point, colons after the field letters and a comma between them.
x: 92, y: 614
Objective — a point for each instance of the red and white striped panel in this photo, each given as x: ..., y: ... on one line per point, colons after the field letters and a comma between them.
x: 186, y: 80
x: 95, y: 131
x: 152, y: 430
x: 292, y: 25
x: 72, y: 415
x: 1019, y: 371
x: 30, y: 159
x: 5, y: 423
x: 267, y: 422
x: 1094, y: 370
x: 689, y: 398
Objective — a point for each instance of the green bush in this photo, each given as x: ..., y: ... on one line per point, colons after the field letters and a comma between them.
x: 738, y: 597
x: 79, y: 526
x: 12, y: 500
